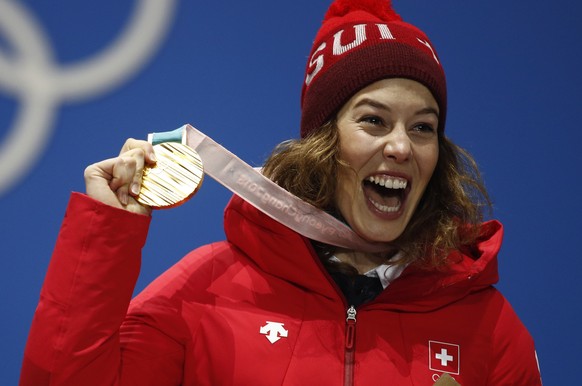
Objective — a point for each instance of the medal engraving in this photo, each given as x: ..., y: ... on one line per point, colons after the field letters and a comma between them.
x: 175, y: 178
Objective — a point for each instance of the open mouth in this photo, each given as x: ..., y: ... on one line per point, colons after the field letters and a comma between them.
x: 386, y: 193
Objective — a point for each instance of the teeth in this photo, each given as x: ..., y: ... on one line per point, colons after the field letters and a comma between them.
x: 389, y: 182
x: 384, y: 208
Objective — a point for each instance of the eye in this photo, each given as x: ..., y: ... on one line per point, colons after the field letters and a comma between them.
x: 372, y: 120
x: 425, y: 128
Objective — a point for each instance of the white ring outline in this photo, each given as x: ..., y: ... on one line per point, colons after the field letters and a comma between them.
x: 42, y: 86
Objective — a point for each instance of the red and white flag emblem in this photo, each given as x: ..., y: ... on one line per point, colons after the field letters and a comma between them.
x: 444, y: 357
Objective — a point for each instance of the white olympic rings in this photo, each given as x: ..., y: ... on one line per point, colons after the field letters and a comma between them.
x: 41, y: 84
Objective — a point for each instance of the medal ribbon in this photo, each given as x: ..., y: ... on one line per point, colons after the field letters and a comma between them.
x: 265, y: 195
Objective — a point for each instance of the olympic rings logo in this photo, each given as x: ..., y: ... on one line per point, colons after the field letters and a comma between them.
x: 41, y: 85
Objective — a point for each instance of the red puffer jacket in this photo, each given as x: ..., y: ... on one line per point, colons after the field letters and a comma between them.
x: 259, y: 309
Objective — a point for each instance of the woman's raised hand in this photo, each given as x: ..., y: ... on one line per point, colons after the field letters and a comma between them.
x: 117, y: 181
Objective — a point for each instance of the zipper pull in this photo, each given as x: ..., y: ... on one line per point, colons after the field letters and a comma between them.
x: 351, y: 327
x: 351, y: 314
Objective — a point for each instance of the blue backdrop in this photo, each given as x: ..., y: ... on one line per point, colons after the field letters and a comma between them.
x: 78, y: 78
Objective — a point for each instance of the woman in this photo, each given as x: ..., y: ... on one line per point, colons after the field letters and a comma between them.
x: 269, y: 306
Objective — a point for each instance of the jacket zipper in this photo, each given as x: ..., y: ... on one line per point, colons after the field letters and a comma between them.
x: 350, y: 348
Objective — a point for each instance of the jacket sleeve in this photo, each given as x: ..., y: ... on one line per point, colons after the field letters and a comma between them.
x: 514, y: 361
x: 74, y: 337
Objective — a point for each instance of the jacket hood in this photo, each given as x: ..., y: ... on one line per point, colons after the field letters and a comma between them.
x: 283, y: 253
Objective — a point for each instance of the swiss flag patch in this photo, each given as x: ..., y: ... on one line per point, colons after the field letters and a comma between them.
x: 444, y: 357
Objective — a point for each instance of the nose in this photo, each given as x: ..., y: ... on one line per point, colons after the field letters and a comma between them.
x: 397, y: 145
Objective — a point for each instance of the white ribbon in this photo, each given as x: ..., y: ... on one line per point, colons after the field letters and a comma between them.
x: 265, y: 195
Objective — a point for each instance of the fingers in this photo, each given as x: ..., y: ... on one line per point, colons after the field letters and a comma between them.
x: 142, y: 152
x: 97, y: 179
x: 109, y: 180
x: 126, y: 176
x: 117, y: 181
x: 145, y: 146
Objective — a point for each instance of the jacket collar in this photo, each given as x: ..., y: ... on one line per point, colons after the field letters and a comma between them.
x: 283, y: 253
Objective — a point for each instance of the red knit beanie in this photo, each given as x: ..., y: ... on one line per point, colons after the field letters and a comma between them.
x: 359, y: 43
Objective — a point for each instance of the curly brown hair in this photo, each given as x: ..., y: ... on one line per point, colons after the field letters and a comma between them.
x: 447, y: 217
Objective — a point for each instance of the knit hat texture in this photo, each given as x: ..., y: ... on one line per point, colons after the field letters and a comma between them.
x: 361, y: 42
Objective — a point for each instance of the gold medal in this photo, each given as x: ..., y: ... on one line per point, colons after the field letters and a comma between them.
x: 175, y: 178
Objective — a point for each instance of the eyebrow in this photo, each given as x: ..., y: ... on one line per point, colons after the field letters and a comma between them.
x: 379, y: 105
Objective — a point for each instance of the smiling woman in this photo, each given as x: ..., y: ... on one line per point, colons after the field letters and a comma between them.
x: 373, y: 165
x: 373, y: 153
x: 387, y: 135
